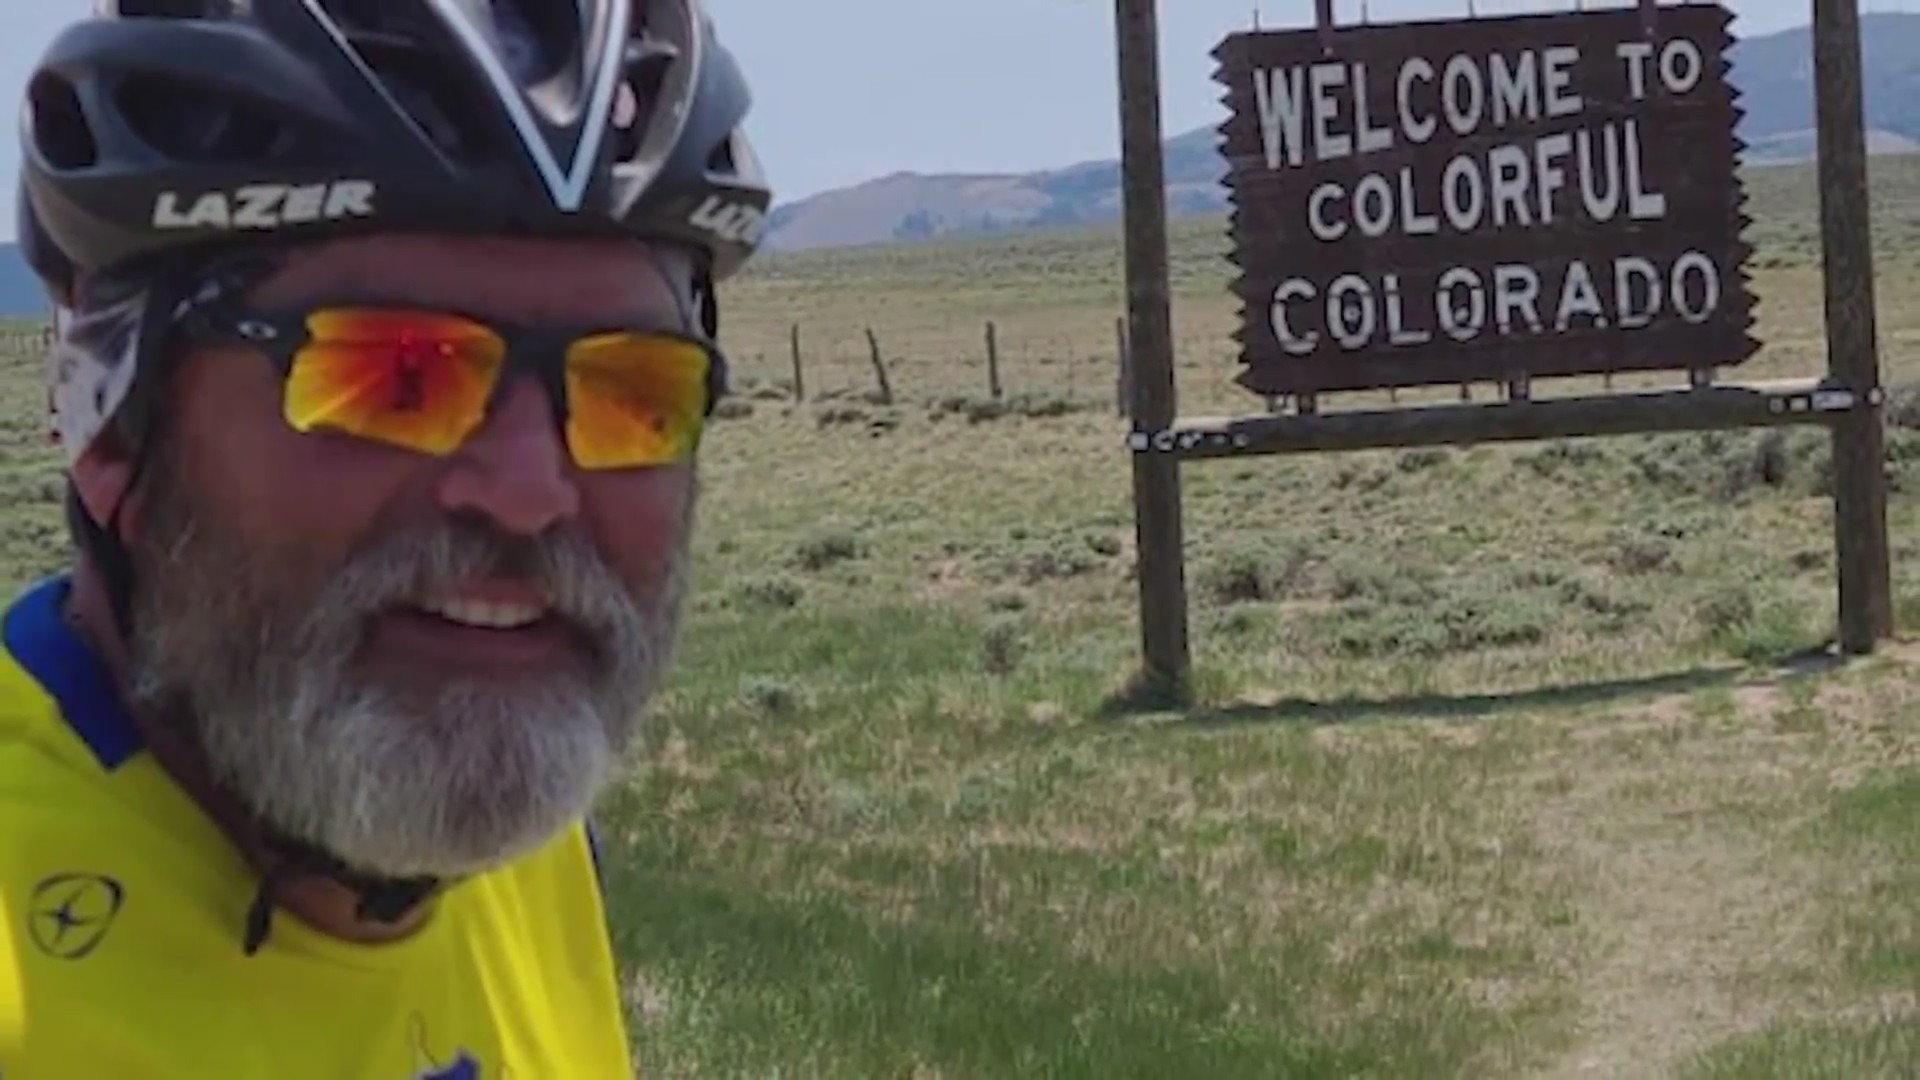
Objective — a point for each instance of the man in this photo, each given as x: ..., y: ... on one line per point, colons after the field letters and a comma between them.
x: 384, y: 352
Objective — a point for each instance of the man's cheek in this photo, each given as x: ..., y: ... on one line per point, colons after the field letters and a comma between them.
x: 640, y: 522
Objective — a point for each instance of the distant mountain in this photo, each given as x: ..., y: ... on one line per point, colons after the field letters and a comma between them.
x: 1795, y: 146
x: 1774, y: 74
x: 911, y: 206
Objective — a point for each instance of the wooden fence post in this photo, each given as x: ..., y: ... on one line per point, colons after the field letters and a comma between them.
x: 993, y: 362
x: 879, y: 368
x: 799, y: 379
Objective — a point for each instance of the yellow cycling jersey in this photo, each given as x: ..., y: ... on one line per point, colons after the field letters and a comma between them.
x: 123, y: 911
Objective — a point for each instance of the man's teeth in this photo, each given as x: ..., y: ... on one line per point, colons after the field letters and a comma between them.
x: 481, y: 613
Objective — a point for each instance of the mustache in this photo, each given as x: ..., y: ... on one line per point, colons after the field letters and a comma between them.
x: 400, y: 568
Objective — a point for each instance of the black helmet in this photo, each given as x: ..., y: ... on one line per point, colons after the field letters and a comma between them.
x: 165, y: 128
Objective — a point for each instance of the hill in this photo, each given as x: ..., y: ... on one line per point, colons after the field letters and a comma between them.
x: 1774, y: 74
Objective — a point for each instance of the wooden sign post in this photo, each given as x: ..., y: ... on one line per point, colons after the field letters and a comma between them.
x: 1853, y: 351
x: 1156, y: 478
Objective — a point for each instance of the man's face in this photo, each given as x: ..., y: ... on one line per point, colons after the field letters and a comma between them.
x: 321, y: 609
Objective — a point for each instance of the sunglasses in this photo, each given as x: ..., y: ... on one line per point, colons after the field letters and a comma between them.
x: 425, y: 380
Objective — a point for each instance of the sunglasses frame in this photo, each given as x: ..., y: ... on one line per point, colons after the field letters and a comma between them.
x: 539, y: 352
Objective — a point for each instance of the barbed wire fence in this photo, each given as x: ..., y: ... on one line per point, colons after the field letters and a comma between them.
x: 26, y: 337
x: 871, y: 365
x: 1000, y: 368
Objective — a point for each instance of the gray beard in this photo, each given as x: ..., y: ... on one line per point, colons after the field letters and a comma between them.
x: 257, y: 663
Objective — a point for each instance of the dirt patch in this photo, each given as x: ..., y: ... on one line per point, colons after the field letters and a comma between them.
x: 1683, y: 914
x: 1676, y: 928
x: 945, y: 580
x: 1901, y: 652
x: 1663, y: 714
x: 1756, y: 703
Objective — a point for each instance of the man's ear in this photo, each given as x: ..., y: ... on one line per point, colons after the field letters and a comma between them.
x: 103, y: 479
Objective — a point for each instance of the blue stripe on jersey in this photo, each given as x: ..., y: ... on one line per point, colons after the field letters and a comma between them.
x: 47, y: 646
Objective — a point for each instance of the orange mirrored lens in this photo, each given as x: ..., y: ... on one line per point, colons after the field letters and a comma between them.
x: 634, y: 400
x: 418, y: 380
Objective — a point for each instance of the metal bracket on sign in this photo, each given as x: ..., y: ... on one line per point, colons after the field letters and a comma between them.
x: 1700, y: 378
x: 1831, y: 400
x: 1519, y: 388
x: 1305, y: 404
x: 1169, y: 441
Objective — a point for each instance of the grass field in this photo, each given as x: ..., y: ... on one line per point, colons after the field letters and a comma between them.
x: 1526, y: 761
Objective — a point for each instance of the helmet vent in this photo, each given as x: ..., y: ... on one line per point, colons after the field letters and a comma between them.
x: 722, y: 161
x: 355, y: 17
x: 432, y: 90
x: 60, y: 127
x: 534, y: 38
x: 649, y: 61
x: 177, y: 9
x: 192, y: 123
x: 399, y: 43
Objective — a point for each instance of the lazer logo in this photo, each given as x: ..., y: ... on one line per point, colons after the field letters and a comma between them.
x: 265, y: 206
x: 735, y: 223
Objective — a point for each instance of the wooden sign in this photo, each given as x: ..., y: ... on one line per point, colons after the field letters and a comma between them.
x: 1486, y: 200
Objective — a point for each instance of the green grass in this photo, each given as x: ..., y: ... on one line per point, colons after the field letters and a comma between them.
x: 1500, y: 761
x: 1869, y: 940
x: 1817, y: 1052
x: 1063, y: 898
x: 1879, y: 820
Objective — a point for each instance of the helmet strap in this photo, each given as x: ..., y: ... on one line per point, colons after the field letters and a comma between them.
x: 376, y: 899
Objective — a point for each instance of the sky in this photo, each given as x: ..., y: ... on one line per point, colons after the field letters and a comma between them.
x: 850, y: 90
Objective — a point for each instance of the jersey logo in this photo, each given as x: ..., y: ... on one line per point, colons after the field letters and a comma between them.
x: 461, y: 1066
x: 70, y: 914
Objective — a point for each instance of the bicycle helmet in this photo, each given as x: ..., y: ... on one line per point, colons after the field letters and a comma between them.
x: 160, y: 132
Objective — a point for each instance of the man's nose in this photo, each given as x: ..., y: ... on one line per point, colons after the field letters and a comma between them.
x: 516, y: 468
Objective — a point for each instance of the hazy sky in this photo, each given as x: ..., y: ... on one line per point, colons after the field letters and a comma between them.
x: 847, y: 90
